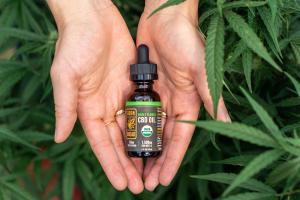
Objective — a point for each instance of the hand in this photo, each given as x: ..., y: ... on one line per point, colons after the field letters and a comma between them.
x: 177, y: 47
x: 91, y: 80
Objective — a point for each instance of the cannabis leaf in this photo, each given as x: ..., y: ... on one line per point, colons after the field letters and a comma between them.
x: 214, y: 58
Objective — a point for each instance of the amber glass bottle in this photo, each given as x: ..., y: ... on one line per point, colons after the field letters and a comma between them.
x: 143, y: 110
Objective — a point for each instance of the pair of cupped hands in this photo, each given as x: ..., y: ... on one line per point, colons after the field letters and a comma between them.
x: 90, y: 76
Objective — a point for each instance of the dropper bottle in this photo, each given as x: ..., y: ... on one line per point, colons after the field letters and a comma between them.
x: 143, y: 110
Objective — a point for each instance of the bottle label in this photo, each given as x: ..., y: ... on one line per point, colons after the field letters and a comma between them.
x: 143, y: 127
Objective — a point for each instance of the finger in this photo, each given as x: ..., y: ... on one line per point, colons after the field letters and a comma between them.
x: 151, y: 161
x: 103, y: 148
x: 139, y: 165
x: 151, y: 180
x: 204, y: 93
x: 138, y: 162
x: 151, y: 173
x: 148, y: 166
x: 65, y: 89
x: 135, y: 183
x: 121, y: 122
x: 181, y: 137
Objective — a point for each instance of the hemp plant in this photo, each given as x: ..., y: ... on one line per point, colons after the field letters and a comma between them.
x: 252, y: 60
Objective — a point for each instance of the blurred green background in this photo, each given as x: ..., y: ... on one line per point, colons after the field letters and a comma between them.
x: 32, y: 166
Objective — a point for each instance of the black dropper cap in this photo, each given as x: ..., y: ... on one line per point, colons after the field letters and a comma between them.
x: 143, y: 70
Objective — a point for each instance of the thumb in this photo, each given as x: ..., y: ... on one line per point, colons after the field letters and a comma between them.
x: 65, y: 90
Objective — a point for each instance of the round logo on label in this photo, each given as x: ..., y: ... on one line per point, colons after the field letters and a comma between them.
x: 147, y: 131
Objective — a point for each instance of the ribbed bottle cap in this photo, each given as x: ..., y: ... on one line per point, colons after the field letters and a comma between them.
x: 143, y: 70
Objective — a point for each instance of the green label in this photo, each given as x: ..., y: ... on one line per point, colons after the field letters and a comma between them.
x: 143, y: 103
x: 143, y: 127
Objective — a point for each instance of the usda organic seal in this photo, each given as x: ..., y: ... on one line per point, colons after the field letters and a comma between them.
x: 147, y: 131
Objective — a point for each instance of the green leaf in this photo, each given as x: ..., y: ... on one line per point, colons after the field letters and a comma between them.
x: 296, y: 50
x: 214, y: 58
x: 291, y: 127
x: 165, y: 5
x: 34, y: 7
x: 256, y: 165
x: 213, y: 141
x: 294, y: 141
x: 236, y: 160
x: 233, y: 56
x: 270, y: 125
x: 47, y: 90
x: 2, y: 195
x: 32, y: 22
x: 182, y: 191
x: 6, y: 134
x: 263, y: 115
x: 289, y: 102
x: 46, y: 60
x: 231, y: 5
x: 265, y: 15
x: 247, y: 65
x: 85, y: 174
x: 30, y: 88
x: 8, y: 66
x: 284, y: 170
x: 227, y: 178
x: 21, y: 34
x: 17, y: 190
x: 238, y: 131
x: 271, y: 44
x: 200, y: 144
x: 35, y: 136
x: 9, y: 111
x: 220, y: 4
x: 239, y: 25
x: 273, y: 4
x: 295, y: 82
x: 9, y: 81
x: 250, y: 196
x: 243, y: 3
x: 68, y: 180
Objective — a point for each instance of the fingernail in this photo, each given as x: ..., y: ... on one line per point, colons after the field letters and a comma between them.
x: 151, y: 185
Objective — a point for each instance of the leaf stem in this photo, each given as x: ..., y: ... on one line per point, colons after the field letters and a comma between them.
x: 288, y: 193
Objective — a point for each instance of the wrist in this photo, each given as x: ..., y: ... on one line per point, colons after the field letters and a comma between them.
x: 65, y: 11
x: 188, y: 8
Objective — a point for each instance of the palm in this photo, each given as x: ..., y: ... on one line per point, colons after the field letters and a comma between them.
x: 180, y: 60
x: 105, y: 83
x: 91, y: 80
x: 177, y: 47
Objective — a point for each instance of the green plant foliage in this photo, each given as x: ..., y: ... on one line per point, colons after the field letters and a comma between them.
x: 239, y: 25
x: 214, y: 58
x: 256, y: 165
x: 228, y: 178
x: 295, y: 82
x: 256, y: 157
x: 165, y: 5
x: 247, y: 58
x: 68, y: 180
x: 251, y: 196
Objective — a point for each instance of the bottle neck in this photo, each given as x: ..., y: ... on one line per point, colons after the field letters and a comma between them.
x: 144, y: 85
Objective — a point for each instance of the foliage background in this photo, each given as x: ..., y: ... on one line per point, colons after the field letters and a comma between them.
x: 258, y: 155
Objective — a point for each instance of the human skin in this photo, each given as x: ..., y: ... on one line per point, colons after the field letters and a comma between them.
x: 90, y: 76
x: 90, y: 81
x: 177, y: 47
